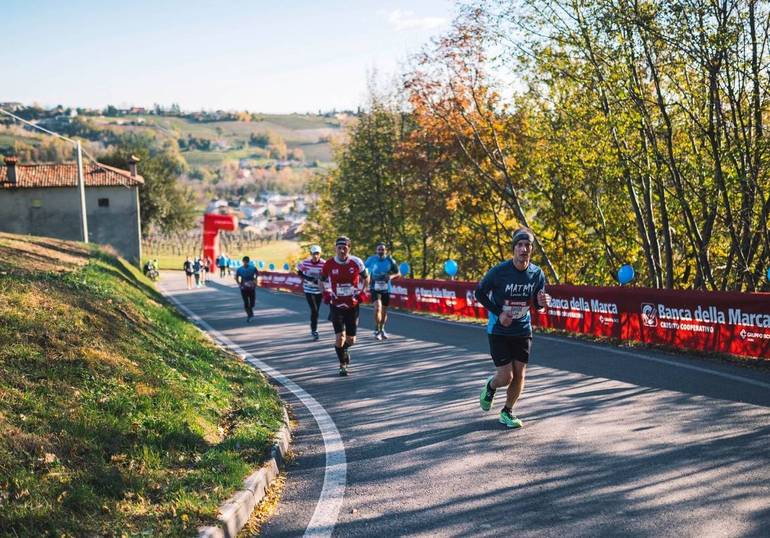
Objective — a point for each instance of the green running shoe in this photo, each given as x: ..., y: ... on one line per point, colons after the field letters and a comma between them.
x: 343, y: 371
x: 487, y: 396
x: 509, y: 420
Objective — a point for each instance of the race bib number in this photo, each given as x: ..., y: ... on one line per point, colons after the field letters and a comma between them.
x: 517, y: 309
x: 344, y: 290
x: 380, y: 285
x: 248, y: 285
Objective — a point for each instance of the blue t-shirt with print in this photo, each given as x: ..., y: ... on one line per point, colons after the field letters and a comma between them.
x: 380, y: 268
x: 506, y: 288
x: 247, y: 273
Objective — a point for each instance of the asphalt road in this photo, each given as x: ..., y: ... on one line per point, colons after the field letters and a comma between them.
x: 614, y: 443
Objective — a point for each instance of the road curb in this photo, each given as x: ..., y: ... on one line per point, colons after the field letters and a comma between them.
x: 235, y: 512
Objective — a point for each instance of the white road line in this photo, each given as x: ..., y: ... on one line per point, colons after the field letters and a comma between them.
x: 335, y: 474
x: 327, y: 511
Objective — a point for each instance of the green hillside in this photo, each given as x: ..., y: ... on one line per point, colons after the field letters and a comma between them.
x: 309, y: 132
x: 118, y: 416
x: 226, y: 141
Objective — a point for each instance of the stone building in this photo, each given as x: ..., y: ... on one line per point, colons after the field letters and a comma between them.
x: 44, y: 199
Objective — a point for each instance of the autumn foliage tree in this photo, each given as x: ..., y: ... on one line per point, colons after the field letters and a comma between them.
x: 621, y: 131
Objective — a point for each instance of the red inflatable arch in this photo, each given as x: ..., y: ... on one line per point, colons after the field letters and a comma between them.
x: 213, y: 223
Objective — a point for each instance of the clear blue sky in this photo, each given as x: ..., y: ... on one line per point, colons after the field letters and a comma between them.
x: 260, y: 55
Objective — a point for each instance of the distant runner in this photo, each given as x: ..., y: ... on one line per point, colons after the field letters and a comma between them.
x: 246, y: 277
x: 188, y: 272
x: 507, y: 291
x: 222, y: 262
x: 310, y: 271
x: 197, y: 268
x: 344, y: 278
x: 383, y: 269
x: 205, y: 268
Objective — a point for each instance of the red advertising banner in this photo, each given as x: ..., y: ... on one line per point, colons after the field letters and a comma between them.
x: 281, y: 281
x: 737, y: 323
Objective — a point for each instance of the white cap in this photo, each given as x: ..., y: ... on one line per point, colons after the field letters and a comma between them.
x: 314, y: 249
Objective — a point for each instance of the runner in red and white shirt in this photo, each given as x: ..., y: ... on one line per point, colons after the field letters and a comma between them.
x: 344, y: 278
x: 310, y: 271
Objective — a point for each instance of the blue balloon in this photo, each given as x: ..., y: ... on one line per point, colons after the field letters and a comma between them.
x: 271, y: 267
x: 285, y: 266
x: 261, y: 264
x: 768, y: 273
x: 625, y: 274
x: 251, y: 263
x: 404, y: 269
x: 450, y: 267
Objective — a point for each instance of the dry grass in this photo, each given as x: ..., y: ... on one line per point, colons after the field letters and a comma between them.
x: 265, y: 509
x: 115, y: 412
x: 35, y: 254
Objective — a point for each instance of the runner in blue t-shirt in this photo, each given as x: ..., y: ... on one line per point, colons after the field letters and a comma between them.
x: 383, y: 269
x: 507, y: 291
x: 197, y: 267
x: 246, y: 277
x: 222, y: 262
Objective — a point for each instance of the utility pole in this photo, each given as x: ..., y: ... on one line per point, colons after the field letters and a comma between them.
x: 81, y: 179
x: 82, y: 188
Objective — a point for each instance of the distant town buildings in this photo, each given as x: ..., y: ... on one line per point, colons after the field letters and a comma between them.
x: 274, y: 215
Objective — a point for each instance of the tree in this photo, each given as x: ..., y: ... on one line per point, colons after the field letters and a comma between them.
x: 450, y: 85
x: 164, y: 203
x: 634, y: 133
x: 296, y: 154
x: 259, y: 140
x: 674, y: 94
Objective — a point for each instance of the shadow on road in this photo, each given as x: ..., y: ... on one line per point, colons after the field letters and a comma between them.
x: 612, y: 445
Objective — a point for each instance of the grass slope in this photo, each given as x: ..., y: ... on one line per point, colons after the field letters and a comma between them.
x: 118, y: 416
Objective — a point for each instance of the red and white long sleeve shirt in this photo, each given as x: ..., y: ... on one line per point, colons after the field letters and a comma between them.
x: 345, y: 279
x: 311, y: 273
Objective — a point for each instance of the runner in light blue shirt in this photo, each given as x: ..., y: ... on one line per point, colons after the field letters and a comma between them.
x: 383, y: 268
x: 246, y: 276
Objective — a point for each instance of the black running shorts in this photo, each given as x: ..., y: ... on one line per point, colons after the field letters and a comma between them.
x: 344, y: 319
x: 384, y: 297
x: 506, y: 349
